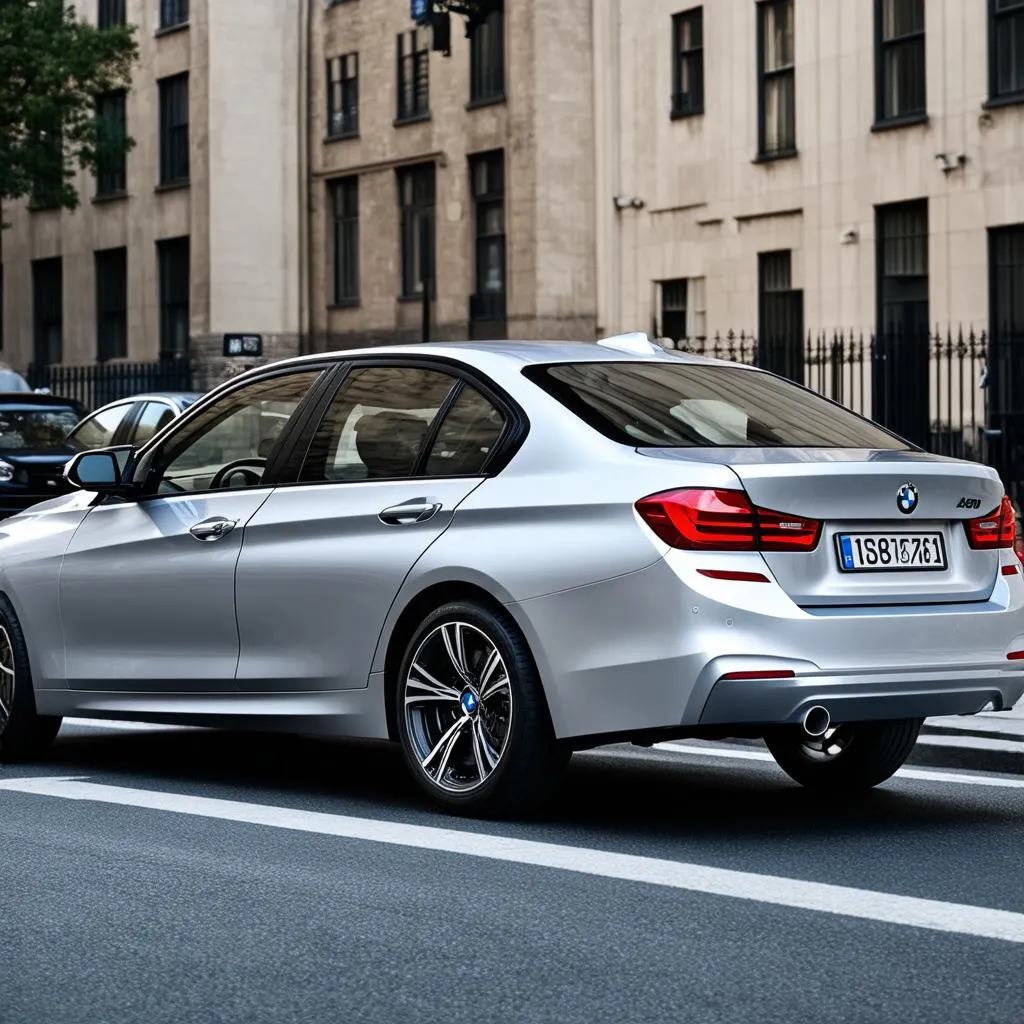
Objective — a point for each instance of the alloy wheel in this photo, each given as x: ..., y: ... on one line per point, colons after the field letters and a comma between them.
x: 6, y: 678
x: 457, y: 698
x: 827, y: 747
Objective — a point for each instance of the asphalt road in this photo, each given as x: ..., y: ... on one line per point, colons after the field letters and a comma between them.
x: 196, y: 876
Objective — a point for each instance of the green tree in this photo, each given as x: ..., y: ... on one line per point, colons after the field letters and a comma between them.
x: 53, y: 67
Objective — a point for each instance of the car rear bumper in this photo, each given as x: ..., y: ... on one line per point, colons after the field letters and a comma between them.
x: 858, y: 697
x: 648, y: 651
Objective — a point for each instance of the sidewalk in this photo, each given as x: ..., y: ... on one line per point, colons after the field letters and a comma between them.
x: 991, y: 741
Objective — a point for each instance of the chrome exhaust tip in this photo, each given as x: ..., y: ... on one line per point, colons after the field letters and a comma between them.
x: 816, y: 721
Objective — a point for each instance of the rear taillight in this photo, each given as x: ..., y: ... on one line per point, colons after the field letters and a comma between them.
x: 724, y: 520
x: 996, y: 530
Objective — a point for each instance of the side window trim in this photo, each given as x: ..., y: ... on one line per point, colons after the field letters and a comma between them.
x: 142, y: 470
x: 517, y: 425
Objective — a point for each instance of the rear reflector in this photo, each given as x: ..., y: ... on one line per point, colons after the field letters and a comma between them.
x: 1011, y: 570
x: 724, y: 520
x: 996, y: 530
x: 1015, y: 656
x: 775, y: 673
x: 737, y: 577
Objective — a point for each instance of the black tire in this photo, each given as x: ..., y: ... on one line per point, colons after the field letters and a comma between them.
x: 531, y: 763
x: 24, y: 734
x: 872, y: 753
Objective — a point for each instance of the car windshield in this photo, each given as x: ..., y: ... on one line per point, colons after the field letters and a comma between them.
x: 24, y: 427
x: 687, y: 405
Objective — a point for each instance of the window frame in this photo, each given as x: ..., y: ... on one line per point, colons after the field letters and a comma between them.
x: 38, y: 267
x: 764, y: 76
x: 517, y: 423
x: 902, y: 43
x: 340, y: 223
x: 417, y: 63
x: 488, y: 305
x: 996, y: 19
x: 166, y: 246
x: 173, y: 15
x: 487, y: 60
x: 410, y: 214
x: 111, y: 14
x: 175, y: 162
x: 685, y: 105
x: 115, y: 344
x: 342, y: 105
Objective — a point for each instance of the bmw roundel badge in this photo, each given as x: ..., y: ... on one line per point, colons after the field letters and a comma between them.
x: 907, y: 499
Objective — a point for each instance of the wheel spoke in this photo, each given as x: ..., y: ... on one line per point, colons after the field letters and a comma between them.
x: 6, y: 671
x: 432, y: 689
x: 491, y: 666
x: 447, y: 740
x: 480, y: 736
x: 499, y: 684
x: 478, y: 755
x: 454, y: 644
x: 4, y: 713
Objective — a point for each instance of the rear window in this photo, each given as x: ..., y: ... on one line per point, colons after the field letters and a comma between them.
x: 665, y: 405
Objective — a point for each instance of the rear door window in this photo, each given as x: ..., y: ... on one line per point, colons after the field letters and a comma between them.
x: 686, y: 405
x: 98, y: 430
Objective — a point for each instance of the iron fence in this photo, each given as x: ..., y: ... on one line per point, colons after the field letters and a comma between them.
x: 99, y: 383
x: 955, y: 392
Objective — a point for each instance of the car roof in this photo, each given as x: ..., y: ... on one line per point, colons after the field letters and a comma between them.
x: 522, y: 352
x: 167, y: 396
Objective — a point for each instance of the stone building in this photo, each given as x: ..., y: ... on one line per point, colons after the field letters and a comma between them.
x: 298, y: 166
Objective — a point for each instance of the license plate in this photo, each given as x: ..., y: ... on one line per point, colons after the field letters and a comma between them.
x: 891, y: 552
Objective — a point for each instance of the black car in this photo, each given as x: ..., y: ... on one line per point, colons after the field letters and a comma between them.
x: 33, y: 447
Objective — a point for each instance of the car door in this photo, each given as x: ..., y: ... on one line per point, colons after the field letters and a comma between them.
x: 147, y: 585
x: 325, y: 556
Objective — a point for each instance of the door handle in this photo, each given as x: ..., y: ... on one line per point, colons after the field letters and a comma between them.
x: 213, y: 529
x: 419, y: 510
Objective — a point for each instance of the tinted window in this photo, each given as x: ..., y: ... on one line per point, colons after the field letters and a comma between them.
x: 241, y: 428
x: 377, y: 425
x: 667, y: 405
x: 98, y: 430
x: 155, y: 416
x: 467, y: 436
x: 24, y: 427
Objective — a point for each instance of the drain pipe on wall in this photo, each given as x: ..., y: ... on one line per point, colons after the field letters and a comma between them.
x: 304, y: 133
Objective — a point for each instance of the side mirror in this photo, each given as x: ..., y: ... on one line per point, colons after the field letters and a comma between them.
x: 94, y: 471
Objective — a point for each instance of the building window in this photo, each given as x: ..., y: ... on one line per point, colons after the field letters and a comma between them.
x: 416, y: 201
x: 900, y: 92
x: 487, y: 58
x: 683, y: 316
x: 48, y: 183
x: 1006, y: 292
x: 48, y: 311
x: 343, y: 96
x: 780, y: 315
x: 688, y: 63
x: 345, y: 197
x: 111, y: 304
x: 487, y: 174
x: 173, y: 13
x: 174, y: 163
x: 1, y: 306
x: 902, y: 233
x: 111, y: 133
x: 173, y: 259
x: 413, y: 75
x: 111, y: 13
x: 1006, y: 49
x: 777, y: 78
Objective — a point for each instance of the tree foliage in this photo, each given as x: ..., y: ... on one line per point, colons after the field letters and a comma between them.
x: 53, y: 66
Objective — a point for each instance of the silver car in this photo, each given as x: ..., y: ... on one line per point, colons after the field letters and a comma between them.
x: 498, y: 553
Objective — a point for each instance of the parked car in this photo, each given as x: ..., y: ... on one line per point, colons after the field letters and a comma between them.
x: 498, y: 553
x: 130, y: 421
x: 34, y: 429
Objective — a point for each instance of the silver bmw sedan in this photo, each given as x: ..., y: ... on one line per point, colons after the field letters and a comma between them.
x: 498, y: 553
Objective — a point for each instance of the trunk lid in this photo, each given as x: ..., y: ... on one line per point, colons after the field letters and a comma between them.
x: 857, y: 495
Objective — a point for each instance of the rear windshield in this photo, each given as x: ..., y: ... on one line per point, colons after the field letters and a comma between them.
x: 665, y: 405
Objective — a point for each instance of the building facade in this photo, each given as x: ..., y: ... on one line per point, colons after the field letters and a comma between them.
x: 197, y: 233
x: 867, y: 155
x: 464, y: 175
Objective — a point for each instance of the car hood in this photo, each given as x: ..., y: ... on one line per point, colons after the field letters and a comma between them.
x: 37, y: 456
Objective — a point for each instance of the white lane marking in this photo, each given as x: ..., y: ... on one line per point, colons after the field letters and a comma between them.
x: 927, y: 775
x: 996, y: 745
x: 889, y: 908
